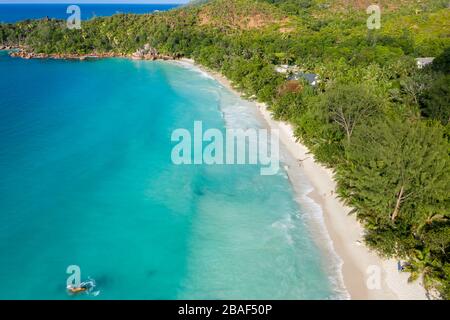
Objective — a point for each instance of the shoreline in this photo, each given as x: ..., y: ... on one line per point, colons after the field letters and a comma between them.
x: 345, y: 232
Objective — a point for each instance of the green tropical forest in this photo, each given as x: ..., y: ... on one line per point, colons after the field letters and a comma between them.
x: 373, y: 116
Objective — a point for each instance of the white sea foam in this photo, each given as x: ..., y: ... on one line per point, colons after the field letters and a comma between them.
x: 285, y: 225
x: 239, y: 113
x: 242, y: 114
x: 315, y: 214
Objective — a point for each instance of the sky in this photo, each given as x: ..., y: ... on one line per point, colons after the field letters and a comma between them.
x: 95, y: 1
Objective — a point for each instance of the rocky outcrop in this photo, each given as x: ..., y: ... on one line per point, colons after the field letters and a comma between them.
x: 4, y: 46
x: 147, y: 53
x: 26, y: 54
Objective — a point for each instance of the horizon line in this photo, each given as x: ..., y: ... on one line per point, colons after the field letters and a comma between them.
x: 75, y: 2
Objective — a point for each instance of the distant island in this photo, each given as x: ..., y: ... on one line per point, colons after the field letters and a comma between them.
x: 376, y: 110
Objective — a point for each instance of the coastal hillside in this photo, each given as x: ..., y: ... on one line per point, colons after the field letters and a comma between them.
x: 239, y: 15
x: 377, y: 112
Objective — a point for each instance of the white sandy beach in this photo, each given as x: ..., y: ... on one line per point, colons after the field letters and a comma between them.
x: 359, y: 263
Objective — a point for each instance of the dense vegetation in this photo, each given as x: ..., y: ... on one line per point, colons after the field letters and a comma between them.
x: 378, y: 120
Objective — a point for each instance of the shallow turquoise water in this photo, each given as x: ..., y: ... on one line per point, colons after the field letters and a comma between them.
x: 86, y: 179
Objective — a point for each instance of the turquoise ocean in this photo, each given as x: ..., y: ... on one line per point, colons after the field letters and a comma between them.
x: 86, y: 179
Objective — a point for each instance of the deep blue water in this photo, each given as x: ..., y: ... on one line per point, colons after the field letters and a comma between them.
x: 18, y: 12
